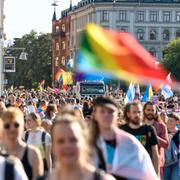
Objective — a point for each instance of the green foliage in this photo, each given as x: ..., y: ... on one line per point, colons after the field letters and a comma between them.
x: 38, y: 65
x: 171, y: 59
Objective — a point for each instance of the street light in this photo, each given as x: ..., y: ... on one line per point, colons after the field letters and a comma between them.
x: 23, y: 55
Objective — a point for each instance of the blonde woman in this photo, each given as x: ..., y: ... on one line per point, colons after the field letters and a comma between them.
x: 38, y: 137
x: 69, y: 142
x: 13, y: 126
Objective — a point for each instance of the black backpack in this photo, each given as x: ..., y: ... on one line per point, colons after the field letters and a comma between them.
x: 43, y: 136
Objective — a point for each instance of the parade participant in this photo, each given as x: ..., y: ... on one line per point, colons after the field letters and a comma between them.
x: 39, y: 138
x: 71, y: 151
x: 50, y: 112
x: 171, y: 167
x: 10, y: 167
x: 13, y: 126
x: 144, y: 133
x: 117, y: 152
x: 151, y: 117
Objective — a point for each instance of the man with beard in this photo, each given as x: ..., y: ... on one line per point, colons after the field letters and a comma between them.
x: 151, y: 118
x: 144, y: 133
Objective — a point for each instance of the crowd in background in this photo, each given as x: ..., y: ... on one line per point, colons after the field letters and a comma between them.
x: 47, y: 135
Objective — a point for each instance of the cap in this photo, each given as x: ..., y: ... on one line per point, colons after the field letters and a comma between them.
x: 105, y: 102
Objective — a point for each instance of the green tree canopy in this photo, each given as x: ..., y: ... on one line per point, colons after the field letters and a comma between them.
x: 38, y: 65
x: 171, y: 59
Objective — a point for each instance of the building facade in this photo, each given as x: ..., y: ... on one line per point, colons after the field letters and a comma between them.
x: 153, y: 22
x: 60, y: 42
x: 1, y: 43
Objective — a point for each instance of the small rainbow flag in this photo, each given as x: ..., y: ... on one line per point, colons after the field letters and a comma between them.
x: 59, y: 74
x: 119, y: 54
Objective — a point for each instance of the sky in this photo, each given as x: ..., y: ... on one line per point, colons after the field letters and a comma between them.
x: 22, y: 16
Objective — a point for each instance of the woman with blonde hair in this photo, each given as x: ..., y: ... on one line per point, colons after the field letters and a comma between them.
x: 13, y: 126
x: 71, y: 151
x: 38, y: 137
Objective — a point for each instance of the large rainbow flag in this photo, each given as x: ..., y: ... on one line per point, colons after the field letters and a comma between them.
x: 58, y: 76
x: 118, y: 53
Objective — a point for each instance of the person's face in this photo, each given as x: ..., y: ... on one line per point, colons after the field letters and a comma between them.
x: 171, y: 124
x: 105, y: 116
x: 67, y: 143
x: 30, y: 122
x: 13, y: 128
x: 135, y: 114
x: 164, y: 117
x: 149, y: 112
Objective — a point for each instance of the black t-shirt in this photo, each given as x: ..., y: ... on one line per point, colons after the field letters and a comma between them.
x: 145, y: 134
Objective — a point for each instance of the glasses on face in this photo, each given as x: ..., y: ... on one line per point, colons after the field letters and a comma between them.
x: 10, y: 125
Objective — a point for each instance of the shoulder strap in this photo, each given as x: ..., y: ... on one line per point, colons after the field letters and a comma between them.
x: 102, y: 164
x: 9, y: 170
x: 97, y: 175
x: 43, y: 140
x: 26, y: 136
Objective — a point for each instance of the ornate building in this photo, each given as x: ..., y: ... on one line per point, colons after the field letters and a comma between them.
x: 153, y: 22
x: 60, y: 42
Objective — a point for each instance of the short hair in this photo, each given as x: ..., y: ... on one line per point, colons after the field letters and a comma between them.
x: 12, y: 113
x: 127, y: 109
x: 175, y: 116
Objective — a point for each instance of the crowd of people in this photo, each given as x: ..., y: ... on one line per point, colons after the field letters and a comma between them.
x: 48, y: 135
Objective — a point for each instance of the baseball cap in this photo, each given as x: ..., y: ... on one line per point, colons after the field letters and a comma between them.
x: 105, y: 102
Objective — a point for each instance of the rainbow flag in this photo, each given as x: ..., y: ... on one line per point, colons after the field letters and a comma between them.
x: 67, y: 78
x: 148, y: 93
x: 117, y: 53
x: 58, y: 76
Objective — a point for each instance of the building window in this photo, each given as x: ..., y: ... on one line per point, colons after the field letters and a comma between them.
x: 63, y: 28
x: 57, y: 28
x: 140, y: 34
x: 166, y: 16
x: 178, y: 34
x: 63, y: 45
x: 166, y: 35
x: 152, y: 34
x: 140, y: 16
x: 63, y: 61
x: 105, y: 15
x: 122, y: 15
x: 57, y: 46
x: 152, y: 51
x: 57, y: 61
x: 178, y: 16
x: 153, y: 16
x: 123, y: 30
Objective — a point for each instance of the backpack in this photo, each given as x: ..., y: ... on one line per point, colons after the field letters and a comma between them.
x: 9, y: 170
x: 43, y: 136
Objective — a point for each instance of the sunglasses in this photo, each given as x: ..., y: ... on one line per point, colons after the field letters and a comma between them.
x: 8, y: 126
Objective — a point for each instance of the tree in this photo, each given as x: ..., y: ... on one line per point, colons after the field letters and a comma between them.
x: 38, y: 65
x: 171, y: 59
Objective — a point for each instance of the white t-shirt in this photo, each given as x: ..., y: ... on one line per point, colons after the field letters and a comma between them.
x: 19, y: 173
x: 35, y: 139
